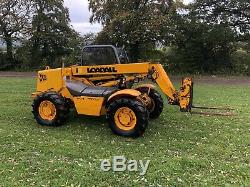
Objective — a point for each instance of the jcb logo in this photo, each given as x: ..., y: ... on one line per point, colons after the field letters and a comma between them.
x: 102, y: 70
x: 42, y: 77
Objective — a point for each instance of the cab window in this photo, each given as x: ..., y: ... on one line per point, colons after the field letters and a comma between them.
x: 98, y: 56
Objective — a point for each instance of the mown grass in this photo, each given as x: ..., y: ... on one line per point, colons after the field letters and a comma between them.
x: 184, y: 149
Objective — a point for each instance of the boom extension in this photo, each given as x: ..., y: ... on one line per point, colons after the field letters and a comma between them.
x: 183, y: 98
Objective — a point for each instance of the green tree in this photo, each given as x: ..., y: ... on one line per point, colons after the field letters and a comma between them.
x: 201, y: 48
x: 76, y: 45
x: 203, y: 40
x: 14, y: 23
x: 233, y: 13
x: 51, y: 32
x: 228, y: 19
x: 132, y: 23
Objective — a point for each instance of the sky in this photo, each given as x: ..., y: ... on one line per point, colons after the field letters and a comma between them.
x: 80, y: 14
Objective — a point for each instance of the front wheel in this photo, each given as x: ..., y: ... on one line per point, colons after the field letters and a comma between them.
x: 127, y: 117
x: 50, y: 109
x: 156, y: 107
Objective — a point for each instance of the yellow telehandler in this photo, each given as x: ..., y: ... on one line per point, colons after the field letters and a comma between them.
x: 103, y: 84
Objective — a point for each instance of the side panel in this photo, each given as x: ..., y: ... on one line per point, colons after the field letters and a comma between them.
x: 49, y: 80
x: 88, y: 105
x: 111, y: 69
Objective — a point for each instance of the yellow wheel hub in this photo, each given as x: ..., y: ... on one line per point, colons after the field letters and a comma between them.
x: 47, y: 110
x: 125, y: 118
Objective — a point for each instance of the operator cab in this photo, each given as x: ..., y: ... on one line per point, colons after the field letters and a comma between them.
x: 103, y: 55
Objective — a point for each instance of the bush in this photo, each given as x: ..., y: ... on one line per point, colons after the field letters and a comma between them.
x: 240, y: 60
x: 178, y: 61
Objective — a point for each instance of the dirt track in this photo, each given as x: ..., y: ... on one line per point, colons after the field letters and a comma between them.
x: 17, y: 74
x: 226, y: 80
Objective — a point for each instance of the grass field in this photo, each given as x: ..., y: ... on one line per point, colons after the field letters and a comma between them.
x: 184, y: 149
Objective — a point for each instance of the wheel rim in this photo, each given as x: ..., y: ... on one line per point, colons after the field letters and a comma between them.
x: 47, y: 110
x: 125, y: 118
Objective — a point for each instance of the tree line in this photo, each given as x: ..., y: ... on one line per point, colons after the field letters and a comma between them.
x: 40, y: 31
x: 202, y: 37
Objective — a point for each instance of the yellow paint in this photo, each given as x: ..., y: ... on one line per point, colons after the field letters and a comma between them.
x: 125, y: 92
x: 185, y: 93
x: 54, y: 80
x: 125, y: 119
x: 88, y: 105
x: 47, y: 110
x: 119, y: 68
x: 49, y: 80
x: 67, y: 72
x: 65, y: 92
x: 97, y: 78
x: 136, y: 76
x: 84, y: 80
x: 151, y: 86
x: 163, y: 81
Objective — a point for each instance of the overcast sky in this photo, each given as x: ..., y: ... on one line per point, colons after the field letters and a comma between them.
x: 79, y: 15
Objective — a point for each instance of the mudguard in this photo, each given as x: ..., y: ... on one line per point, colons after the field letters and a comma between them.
x: 125, y: 92
x: 151, y: 86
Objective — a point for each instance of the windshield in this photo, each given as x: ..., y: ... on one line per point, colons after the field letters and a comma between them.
x: 98, y: 56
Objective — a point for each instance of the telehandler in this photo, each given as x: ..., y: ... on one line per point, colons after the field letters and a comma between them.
x: 103, y: 84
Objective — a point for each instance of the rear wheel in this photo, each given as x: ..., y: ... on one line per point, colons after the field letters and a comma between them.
x: 50, y: 109
x: 156, y: 107
x: 127, y: 117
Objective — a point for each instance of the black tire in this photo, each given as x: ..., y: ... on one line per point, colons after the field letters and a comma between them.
x: 139, y: 110
x: 157, y: 108
x: 60, y: 104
